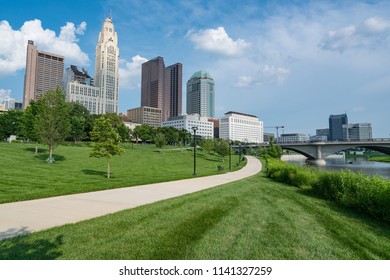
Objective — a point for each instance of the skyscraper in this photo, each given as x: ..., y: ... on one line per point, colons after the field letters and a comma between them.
x: 336, y: 123
x: 174, y: 88
x: 162, y: 87
x: 106, y: 67
x: 44, y: 71
x: 201, y: 95
x: 152, y: 83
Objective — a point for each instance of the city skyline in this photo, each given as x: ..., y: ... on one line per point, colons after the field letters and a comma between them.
x: 291, y: 64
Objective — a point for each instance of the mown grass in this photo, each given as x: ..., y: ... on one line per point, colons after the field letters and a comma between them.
x: 255, y: 218
x: 25, y: 175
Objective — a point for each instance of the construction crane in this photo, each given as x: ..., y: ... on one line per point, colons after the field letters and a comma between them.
x: 277, y: 130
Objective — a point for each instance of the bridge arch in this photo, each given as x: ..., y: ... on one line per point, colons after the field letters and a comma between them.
x: 321, y: 150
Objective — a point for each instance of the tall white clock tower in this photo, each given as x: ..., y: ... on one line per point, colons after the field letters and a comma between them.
x: 106, y: 68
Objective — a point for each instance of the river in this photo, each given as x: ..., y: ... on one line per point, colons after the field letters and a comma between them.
x: 356, y: 165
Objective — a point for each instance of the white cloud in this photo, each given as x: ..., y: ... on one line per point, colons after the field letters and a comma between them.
x: 267, y: 75
x: 13, y: 44
x: 271, y: 74
x: 372, y: 33
x: 130, y: 72
x: 340, y: 39
x: 376, y: 24
x: 217, y: 41
x: 244, y: 81
x: 4, y: 93
x: 358, y: 109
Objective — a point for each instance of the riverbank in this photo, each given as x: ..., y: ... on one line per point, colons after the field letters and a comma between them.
x: 302, y: 157
x: 367, y: 194
x: 380, y: 159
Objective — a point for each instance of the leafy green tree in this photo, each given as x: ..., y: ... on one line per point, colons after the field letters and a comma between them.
x: 52, y: 122
x: 171, y: 134
x: 10, y: 123
x: 207, y: 145
x: 77, y: 131
x: 144, y: 132
x: 119, y: 126
x: 115, y: 120
x: 124, y: 132
x: 79, y: 118
x: 273, y: 151
x: 160, y: 140
x: 222, y: 147
x: 184, y: 136
x: 28, y: 128
x: 105, y: 141
x: 135, y: 134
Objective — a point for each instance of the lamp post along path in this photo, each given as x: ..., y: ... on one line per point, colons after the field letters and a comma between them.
x: 194, y: 128
x: 230, y: 155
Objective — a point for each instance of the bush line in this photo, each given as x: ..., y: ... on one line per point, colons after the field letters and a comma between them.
x: 368, y: 194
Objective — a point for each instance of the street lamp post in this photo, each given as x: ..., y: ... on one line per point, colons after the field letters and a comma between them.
x: 230, y: 155
x: 239, y: 154
x: 194, y: 128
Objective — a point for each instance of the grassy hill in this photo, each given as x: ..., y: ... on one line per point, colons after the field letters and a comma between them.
x: 25, y: 175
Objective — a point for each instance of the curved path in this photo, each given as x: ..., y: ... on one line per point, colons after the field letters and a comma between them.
x: 19, y: 218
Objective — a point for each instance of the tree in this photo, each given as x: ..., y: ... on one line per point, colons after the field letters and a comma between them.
x: 52, y: 122
x: 222, y: 147
x: 273, y: 151
x: 124, y: 132
x: 171, y: 134
x: 135, y: 134
x: 28, y: 123
x: 144, y: 132
x: 184, y: 136
x: 77, y: 124
x: 115, y: 120
x: 207, y: 145
x: 79, y: 118
x: 105, y: 141
x: 10, y: 123
x: 160, y: 140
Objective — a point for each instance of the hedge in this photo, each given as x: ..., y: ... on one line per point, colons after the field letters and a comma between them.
x: 368, y: 194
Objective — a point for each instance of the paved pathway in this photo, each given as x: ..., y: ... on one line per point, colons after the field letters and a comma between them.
x: 28, y: 216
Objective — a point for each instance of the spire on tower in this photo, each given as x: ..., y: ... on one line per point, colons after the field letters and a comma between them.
x: 110, y: 15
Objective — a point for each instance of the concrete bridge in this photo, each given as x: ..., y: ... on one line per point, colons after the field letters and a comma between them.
x: 316, y: 152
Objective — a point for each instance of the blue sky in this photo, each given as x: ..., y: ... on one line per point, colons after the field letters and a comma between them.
x: 291, y: 63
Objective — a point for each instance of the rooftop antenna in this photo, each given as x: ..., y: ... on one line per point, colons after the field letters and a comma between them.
x: 110, y: 15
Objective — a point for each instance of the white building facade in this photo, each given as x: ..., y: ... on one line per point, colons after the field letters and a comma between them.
x: 187, y: 122
x: 293, y: 138
x: 12, y: 104
x: 106, y: 67
x: 241, y: 127
x: 86, y: 95
x: 357, y: 132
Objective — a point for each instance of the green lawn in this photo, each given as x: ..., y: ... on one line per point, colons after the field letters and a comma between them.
x: 255, y: 218
x: 25, y: 175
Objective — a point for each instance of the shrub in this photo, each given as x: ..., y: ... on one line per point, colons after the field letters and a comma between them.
x: 367, y: 194
x: 295, y: 175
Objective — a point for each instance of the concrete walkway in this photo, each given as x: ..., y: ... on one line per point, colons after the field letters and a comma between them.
x: 28, y: 216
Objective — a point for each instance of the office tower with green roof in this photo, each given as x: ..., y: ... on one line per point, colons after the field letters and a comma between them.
x: 201, y: 95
